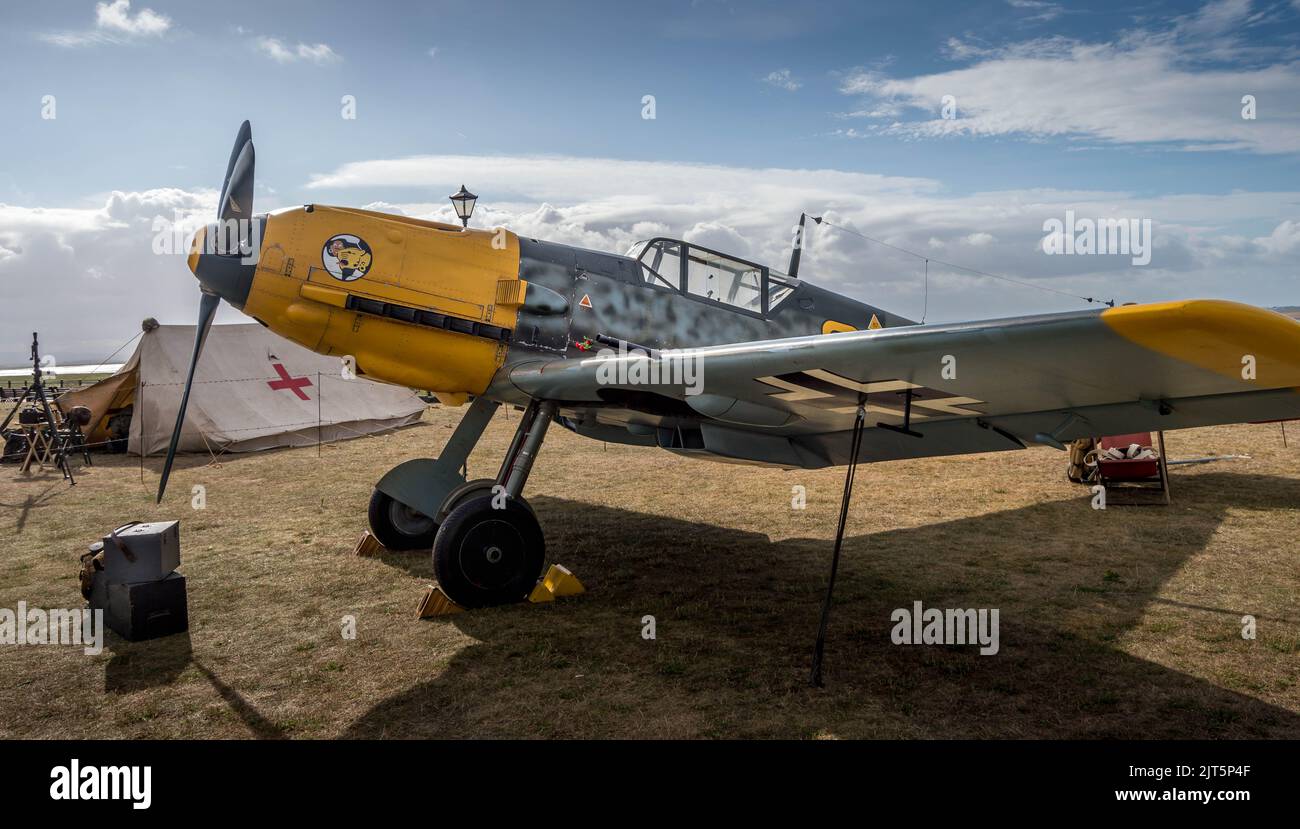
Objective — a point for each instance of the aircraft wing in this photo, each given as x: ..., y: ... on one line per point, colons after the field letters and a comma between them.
x: 973, y: 387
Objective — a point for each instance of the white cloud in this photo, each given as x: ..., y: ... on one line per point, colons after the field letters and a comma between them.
x: 282, y: 52
x: 1166, y: 86
x: 73, y: 40
x: 607, y: 204
x: 100, y: 262
x: 782, y: 79
x: 1041, y: 10
x: 114, y: 23
x: 116, y: 16
x: 1283, y: 241
x: 1240, y: 245
x: 1216, y: 17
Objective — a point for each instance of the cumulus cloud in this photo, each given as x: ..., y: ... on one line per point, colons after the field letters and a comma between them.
x: 281, y: 52
x: 100, y: 265
x: 114, y: 23
x: 608, y: 204
x: 1168, y: 84
x: 1239, y: 245
x: 1283, y: 241
x: 116, y: 16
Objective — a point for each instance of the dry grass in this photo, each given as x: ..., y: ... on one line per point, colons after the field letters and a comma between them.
x: 1117, y: 623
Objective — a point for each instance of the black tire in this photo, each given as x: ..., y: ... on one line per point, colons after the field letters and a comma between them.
x: 484, y: 556
x: 397, y: 526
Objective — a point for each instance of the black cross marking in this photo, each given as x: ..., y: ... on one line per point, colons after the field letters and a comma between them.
x: 832, y: 392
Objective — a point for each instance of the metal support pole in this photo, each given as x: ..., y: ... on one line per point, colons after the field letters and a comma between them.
x: 856, y: 447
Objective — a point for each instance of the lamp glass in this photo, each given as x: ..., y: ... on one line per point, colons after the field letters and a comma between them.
x: 463, y: 200
x: 465, y: 207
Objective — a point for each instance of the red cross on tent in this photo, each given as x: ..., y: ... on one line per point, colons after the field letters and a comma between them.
x: 294, y: 384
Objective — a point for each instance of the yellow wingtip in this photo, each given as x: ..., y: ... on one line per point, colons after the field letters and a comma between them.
x: 1217, y: 335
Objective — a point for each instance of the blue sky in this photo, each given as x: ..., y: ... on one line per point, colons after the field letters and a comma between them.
x: 549, y: 78
x: 762, y: 109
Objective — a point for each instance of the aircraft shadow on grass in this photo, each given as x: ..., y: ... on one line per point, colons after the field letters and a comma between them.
x: 736, y: 615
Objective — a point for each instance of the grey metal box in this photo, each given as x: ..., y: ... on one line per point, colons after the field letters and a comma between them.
x: 145, y: 610
x: 155, y: 546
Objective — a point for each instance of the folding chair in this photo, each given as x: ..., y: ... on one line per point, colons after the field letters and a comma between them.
x: 1142, y: 473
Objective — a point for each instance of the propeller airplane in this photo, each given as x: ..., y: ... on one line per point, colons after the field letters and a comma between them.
x: 782, y: 372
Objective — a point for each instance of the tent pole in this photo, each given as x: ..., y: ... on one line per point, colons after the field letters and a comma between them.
x: 319, y: 391
x: 143, y: 437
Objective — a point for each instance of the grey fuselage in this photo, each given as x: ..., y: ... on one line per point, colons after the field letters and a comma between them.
x: 621, y: 304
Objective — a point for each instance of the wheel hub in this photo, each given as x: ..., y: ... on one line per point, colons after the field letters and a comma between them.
x: 408, y: 521
x: 492, y: 554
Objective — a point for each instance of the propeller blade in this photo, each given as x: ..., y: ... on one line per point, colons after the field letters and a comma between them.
x: 207, y: 309
x: 237, y: 201
x: 244, y: 135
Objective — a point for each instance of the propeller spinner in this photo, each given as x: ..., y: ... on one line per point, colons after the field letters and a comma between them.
x: 223, y: 258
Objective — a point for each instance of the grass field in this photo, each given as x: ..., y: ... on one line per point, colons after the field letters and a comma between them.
x: 1117, y: 623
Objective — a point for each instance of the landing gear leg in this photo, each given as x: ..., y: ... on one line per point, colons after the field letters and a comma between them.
x: 490, y: 549
x: 408, y: 502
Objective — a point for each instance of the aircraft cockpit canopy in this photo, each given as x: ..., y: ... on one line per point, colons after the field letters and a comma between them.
x: 711, y: 276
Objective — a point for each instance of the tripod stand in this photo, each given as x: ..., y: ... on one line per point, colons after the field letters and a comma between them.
x: 57, y: 440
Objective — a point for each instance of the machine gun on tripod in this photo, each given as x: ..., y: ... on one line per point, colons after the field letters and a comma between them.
x: 39, y: 426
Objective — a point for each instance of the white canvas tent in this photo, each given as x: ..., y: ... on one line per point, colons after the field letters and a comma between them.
x: 252, y: 390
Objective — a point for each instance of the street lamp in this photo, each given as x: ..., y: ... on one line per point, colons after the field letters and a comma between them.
x: 463, y: 201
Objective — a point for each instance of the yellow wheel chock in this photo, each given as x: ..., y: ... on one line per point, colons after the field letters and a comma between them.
x: 368, y: 546
x: 436, y: 603
x: 557, y: 583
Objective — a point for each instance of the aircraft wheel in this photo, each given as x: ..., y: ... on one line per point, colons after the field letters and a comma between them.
x: 484, y: 556
x: 462, y: 493
x: 397, y: 526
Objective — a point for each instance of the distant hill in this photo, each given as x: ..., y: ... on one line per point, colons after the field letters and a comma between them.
x: 1289, y: 310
